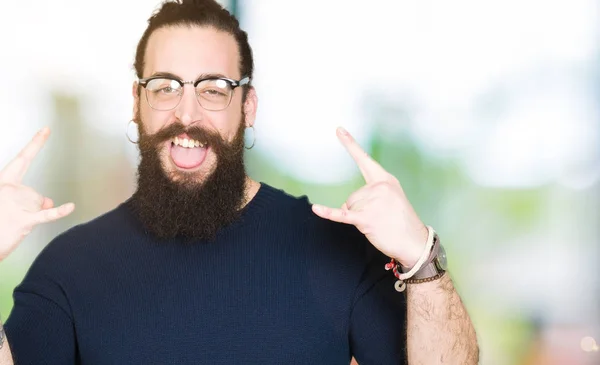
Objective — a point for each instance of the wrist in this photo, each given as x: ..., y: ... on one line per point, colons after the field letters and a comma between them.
x: 434, y: 267
x: 430, y: 266
x: 412, y: 256
x: 432, y: 255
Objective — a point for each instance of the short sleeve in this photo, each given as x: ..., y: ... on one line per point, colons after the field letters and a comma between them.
x: 378, y: 319
x: 39, y: 331
x: 40, y: 327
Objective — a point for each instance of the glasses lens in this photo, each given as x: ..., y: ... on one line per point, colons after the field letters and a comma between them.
x: 163, y: 94
x: 214, y: 94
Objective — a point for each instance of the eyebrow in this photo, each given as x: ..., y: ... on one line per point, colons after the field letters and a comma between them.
x: 200, y: 77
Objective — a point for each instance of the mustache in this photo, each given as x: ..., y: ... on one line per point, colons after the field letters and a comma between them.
x: 195, y: 132
x: 224, y: 149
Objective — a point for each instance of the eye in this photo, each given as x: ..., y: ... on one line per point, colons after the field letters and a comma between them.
x: 213, y: 92
x: 167, y: 90
x: 164, y: 86
x: 213, y: 88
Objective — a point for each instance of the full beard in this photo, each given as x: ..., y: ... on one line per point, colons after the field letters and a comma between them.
x: 179, y: 204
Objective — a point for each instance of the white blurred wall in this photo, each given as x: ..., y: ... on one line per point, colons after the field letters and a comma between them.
x: 507, y: 88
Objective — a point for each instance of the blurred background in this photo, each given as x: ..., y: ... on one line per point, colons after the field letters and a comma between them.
x: 487, y: 112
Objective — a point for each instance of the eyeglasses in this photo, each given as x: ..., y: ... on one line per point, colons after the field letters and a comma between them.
x: 214, y: 93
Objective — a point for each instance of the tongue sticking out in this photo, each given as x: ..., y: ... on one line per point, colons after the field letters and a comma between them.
x: 187, y: 158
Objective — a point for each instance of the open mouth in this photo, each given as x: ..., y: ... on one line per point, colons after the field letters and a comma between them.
x: 188, y: 153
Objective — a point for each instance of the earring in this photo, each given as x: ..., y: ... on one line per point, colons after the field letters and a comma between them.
x: 127, y: 132
x: 253, y: 138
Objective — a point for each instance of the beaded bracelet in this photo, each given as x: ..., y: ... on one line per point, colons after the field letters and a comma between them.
x: 425, y: 280
x: 393, y: 265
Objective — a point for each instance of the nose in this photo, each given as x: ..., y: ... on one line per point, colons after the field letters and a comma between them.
x: 189, y: 110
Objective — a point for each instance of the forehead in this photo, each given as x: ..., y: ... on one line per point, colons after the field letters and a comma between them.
x: 192, y: 51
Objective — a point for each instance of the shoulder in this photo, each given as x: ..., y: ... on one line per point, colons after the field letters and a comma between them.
x: 70, y: 259
x: 283, y: 206
x: 295, y: 213
x: 336, y: 250
x: 117, y: 222
x: 87, y: 242
x: 272, y: 197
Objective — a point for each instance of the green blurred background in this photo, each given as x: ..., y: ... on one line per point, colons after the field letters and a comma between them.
x: 487, y: 112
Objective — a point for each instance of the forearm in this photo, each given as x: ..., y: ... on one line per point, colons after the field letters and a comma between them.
x: 5, y: 355
x: 439, y: 330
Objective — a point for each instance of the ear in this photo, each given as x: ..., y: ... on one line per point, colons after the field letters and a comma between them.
x: 250, y: 106
x: 136, y: 98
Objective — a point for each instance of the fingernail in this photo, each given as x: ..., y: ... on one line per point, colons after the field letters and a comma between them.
x: 343, y: 131
x: 67, y: 207
x: 318, y: 208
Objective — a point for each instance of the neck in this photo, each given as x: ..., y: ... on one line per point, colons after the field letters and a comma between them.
x: 251, y: 190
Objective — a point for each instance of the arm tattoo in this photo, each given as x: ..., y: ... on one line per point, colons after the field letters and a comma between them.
x: 2, y: 336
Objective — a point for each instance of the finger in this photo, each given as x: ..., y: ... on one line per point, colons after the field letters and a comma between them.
x: 17, y: 168
x: 344, y: 206
x: 370, y: 169
x: 336, y: 215
x: 359, y: 194
x: 53, y: 214
x: 47, y: 204
x: 359, y: 204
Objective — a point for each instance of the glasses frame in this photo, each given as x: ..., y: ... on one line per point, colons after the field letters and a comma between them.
x: 232, y: 83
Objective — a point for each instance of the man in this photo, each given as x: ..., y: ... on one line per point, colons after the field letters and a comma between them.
x: 204, y: 265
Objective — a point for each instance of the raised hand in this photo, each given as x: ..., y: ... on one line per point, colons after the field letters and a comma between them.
x: 380, y: 209
x: 21, y: 207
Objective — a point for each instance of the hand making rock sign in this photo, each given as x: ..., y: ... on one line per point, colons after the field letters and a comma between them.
x: 21, y: 207
x: 380, y: 209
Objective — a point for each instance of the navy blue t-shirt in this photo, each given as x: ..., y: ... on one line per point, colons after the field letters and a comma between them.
x: 278, y: 286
